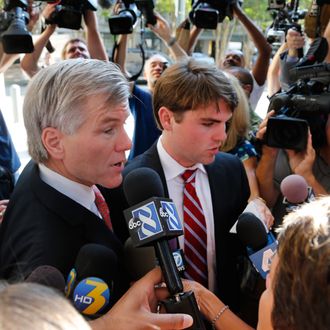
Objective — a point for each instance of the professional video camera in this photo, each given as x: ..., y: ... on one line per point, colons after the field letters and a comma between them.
x: 305, y: 104
x: 14, y: 34
x: 206, y: 14
x: 127, y: 14
x: 285, y: 16
x: 68, y: 13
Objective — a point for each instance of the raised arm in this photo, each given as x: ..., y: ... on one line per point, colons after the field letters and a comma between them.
x: 266, y: 167
x: 273, y: 74
x: 163, y: 31
x: 29, y: 63
x: 264, y: 49
x: 94, y: 41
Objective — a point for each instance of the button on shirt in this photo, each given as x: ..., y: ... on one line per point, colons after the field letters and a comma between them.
x: 173, y: 171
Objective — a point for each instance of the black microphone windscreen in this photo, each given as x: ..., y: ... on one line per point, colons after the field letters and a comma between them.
x: 141, y: 184
x: 95, y: 260
x: 48, y: 276
x: 138, y: 261
x: 251, y: 231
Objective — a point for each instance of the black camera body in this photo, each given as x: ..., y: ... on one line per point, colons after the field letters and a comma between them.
x: 285, y: 16
x: 129, y: 11
x: 13, y: 27
x: 206, y: 14
x: 68, y: 13
x: 305, y: 105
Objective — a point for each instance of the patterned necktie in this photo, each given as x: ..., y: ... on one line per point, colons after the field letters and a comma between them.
x: 195, y: 237
x: 102, y: 206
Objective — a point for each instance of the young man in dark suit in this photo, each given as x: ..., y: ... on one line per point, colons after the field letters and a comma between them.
x: 192, y: 103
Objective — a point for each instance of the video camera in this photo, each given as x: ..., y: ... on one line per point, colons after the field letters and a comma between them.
x: 305, y: 104
x: 68, y: 13
x: 206, y: 14
x: 128, y: 12
x: 285, y: 16
x: 15, y: 36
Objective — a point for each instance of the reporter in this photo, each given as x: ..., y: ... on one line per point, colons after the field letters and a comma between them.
x: 25, y: 306
x: 297, y: 296
x: 136, y: 309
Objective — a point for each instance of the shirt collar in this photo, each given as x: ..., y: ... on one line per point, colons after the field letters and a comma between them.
x: 80, y: 193
x: 171, y: 167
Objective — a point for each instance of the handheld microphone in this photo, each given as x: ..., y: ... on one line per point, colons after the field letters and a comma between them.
x: 90, y: 283
x: 139, y: 261
x: 48, y: 276
x: 296, y: 191
x: 152, y: 219
x: 260, y: 244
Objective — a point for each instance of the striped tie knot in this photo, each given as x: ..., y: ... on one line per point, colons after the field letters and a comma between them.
x: 189, y: 176
x: 102, y: 206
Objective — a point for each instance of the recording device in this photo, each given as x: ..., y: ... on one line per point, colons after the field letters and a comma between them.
x: 128, y: 12
x: 305, y: 105
x: 90, y: 284
x: 152, y: 220
x: 48, y: 276
x: 68, y: 13
x: 15, y: 36
x: 206, y: 14
x: 139, y: 261
x: 285, y: 16
x: 260, y: 243
x: 296, y: 191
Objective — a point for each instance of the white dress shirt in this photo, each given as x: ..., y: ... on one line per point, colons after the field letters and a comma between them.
x: 175, y: 185
x: 78, y: 192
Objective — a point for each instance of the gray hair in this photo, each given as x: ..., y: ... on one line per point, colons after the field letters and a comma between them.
x: 25, y: 306
x: 56, y: 95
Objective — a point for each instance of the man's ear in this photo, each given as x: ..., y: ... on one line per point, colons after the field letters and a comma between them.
x: 52, y: 140
x: 166, y: 118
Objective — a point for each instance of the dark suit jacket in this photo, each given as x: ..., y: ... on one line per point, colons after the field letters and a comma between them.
x: 230, y: 192
x: 44, y: 227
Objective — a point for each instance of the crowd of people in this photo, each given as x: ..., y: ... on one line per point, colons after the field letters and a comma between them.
x: 195, y: 125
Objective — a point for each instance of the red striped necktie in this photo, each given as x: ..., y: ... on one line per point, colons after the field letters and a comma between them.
x: 102, y: 207
x: 195, y: 237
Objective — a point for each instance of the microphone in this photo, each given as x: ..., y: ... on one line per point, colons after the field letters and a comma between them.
x: 152, y: 219
x: 296, y: 191
x: 91, y: 282
x: 48, y: 276
x: 139, y: 261
x: 260, y: 243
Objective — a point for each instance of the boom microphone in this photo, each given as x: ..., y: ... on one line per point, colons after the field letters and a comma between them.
x: 260, y: 244
x: 48, y: 276
x: 91, y: 282
x: 152, y: 220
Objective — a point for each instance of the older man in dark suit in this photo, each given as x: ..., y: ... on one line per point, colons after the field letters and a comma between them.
x: 74, y: 114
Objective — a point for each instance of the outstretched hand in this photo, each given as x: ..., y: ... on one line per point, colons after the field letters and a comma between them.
x: 136, y: 310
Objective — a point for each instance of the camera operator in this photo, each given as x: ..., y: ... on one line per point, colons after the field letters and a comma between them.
x: 275, y: 164
x: 91, y: 48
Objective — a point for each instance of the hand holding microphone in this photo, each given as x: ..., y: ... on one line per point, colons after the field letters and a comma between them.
x: 152, y: 220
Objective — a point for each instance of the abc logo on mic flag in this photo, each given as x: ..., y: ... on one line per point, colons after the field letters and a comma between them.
x: 91, y: 295
x: 155, y: 217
